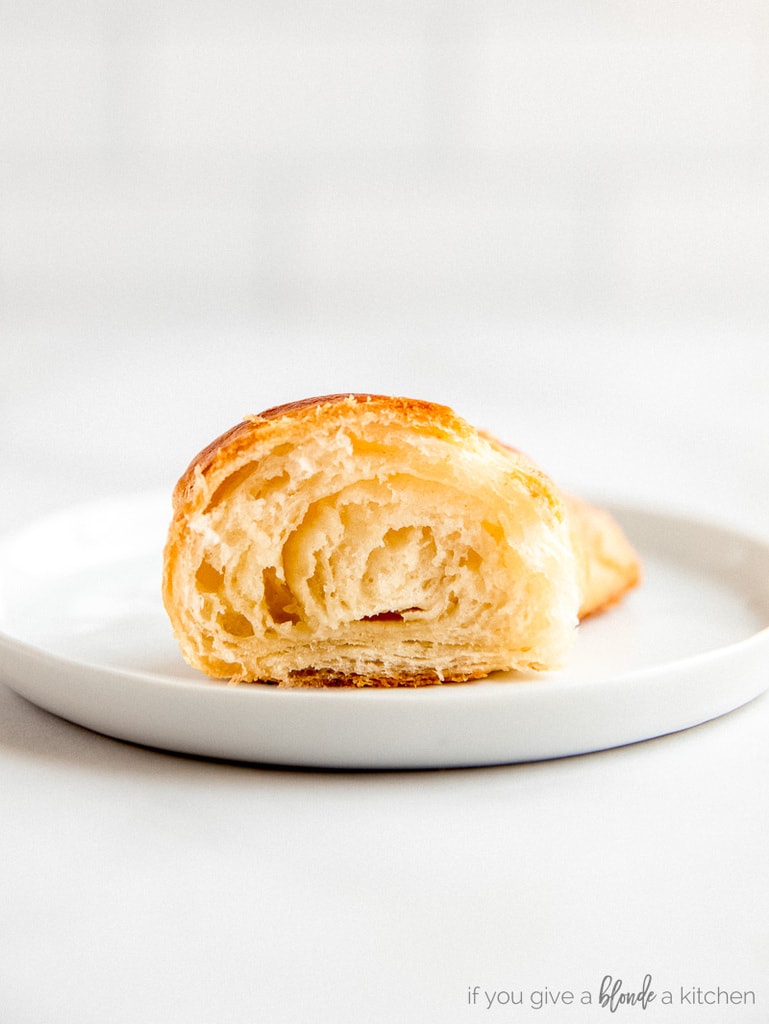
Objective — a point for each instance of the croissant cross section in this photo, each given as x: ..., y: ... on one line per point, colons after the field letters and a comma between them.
x: 369, y: 540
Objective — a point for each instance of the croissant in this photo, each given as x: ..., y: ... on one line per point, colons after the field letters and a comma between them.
x: 372, y: 540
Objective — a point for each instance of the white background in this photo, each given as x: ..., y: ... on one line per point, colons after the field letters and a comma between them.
x: 554, y: 217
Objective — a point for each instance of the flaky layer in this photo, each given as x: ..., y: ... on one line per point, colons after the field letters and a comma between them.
x: 369, y: 540
x: 610, y: 565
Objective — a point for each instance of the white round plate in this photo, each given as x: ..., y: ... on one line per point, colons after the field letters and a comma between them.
x: 84, y: 635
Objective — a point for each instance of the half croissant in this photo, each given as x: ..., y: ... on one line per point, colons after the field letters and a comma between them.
x: 371, y: 540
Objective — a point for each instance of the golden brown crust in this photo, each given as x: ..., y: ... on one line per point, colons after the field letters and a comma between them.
x: 392, y: 401
x: 612, y: 567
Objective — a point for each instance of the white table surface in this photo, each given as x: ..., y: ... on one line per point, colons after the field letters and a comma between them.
x: 138, y: 886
